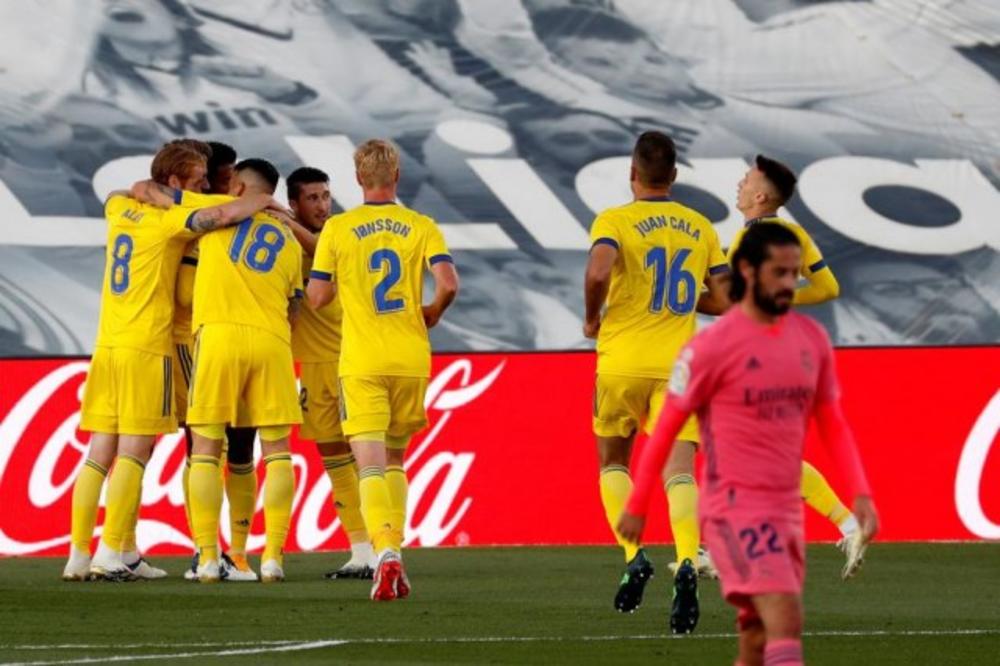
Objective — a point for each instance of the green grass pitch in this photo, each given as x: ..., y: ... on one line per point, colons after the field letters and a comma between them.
x: 912, y: 604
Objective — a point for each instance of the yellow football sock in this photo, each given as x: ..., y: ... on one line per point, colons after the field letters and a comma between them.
x: 343, y: 475
x: 395, y: 480
x: 206, y: 503
x: 819, y: 495
x: 128, y: 541
x: 241, y: 489
x: 279, y: 493
x: 376, y: 507
x: 124, y: 487
x: 682, y: 496
x: 186, y: 483
x: 616, y: 485
x: 86, y: 496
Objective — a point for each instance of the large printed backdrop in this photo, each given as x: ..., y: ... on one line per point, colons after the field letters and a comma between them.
x: 515, y: 118
x: 509, y: 457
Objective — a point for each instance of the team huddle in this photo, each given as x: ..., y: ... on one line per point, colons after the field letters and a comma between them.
x: 213, y: 290
x: 204, y: 312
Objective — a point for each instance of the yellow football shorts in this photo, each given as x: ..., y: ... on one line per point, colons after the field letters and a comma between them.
x: 393, y: 405
x: 182, y: 362
x: 622, y: 404
x: 319, y: 397
x: 128, y: 392
x: 243, y: 376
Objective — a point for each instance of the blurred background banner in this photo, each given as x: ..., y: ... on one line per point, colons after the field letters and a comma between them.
x: 516, y: 119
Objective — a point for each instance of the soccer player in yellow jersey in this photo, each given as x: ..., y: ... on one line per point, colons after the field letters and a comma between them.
x: 765, y: 188
x: 248, y: 288
x: 316, y: 346
x: 648, y: 263
x: 374, y: 257
x: 128, y: 398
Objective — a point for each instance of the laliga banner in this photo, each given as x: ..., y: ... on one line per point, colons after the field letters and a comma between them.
x: 509, y: 458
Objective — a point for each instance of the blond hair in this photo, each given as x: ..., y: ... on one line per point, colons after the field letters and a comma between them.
x: 377, y: 163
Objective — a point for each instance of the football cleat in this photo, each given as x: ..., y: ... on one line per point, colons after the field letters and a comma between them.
x: 191, y: 573
x: 209, y: 572
x: 78, y: 566
x: 109, y: 566
x: 143, y: 570
x: 403, y: 587
x: 853, y: 547
x: 638, y: 572
x: 684, y: 610
x: 351, y: 570
x: 236, y: 569
x: 271, y: 572
x: 387, y: 575
x: 703, y: 565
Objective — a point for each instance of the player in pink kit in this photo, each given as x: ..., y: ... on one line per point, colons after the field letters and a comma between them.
x: 754, y: 378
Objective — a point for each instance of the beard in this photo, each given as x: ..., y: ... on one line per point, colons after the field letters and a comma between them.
x: 769, y: 302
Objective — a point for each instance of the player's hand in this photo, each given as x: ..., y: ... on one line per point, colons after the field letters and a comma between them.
x: 591, y: 329
x: 243, y: 75
x: 630, y: 527
x: 432, y: 315
x: 867, y: 516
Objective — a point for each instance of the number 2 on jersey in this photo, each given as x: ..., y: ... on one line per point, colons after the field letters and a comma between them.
x: 386, y: 258
x: 667, y: 283
x: 263, y: 251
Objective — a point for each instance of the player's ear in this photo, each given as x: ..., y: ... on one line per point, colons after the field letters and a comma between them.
x: 673, y: 176
x: 395, y: 178
x: 632, y: 174
x: 174, y: 182
x: 357, y: 176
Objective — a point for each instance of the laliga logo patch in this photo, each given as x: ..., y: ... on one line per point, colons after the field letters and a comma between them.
x: 681, y: 373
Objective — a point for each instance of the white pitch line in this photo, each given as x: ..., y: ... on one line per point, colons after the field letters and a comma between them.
x: 265, y: 647
x: 293, y: 647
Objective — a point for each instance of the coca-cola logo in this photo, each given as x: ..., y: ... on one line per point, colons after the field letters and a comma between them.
x: 41, y: 451
x: 969, y: 475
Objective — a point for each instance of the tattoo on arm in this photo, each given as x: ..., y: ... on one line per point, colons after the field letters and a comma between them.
x: 206, y: 219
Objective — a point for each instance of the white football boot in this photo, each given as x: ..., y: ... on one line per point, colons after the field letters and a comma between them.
x: 108, y: 565
x: 142, y: 569
x: 209, y: 572
x: 853, y: 547
x: 78, y: 566
x: 271, y: 572
x: 704, y: 565
x: 236, y: 569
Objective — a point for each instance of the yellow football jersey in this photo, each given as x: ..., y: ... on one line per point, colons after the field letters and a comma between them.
x: 184, y: 293
x: 812, y: 259
x: 376, y: 254
x: 144, y: 249
x: 665, y: 252
x: 316, y: 336
x: 246, y: 275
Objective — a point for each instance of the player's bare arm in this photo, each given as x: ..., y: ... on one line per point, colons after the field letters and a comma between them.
x: 307, y: 239
x: 231, y: 212
x: 715, y: 299
x: 320, y: 292
x: 155, y: 194
x: 597, y: 281
x: 294, y: 308
x: 445, y: 291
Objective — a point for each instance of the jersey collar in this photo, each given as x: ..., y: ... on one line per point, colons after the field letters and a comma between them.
x: 762, y: 218
x: 663, y: 198
x: 380, y: 203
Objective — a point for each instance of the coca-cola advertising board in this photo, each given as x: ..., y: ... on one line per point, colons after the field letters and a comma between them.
x: 509, y: 457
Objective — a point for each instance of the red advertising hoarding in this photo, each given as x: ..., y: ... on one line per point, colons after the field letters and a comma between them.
x: 509, y: 457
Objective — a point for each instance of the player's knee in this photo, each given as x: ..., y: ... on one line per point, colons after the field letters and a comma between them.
x: 681, y: 459
x: 327, y: 449
x: 614, y: 450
